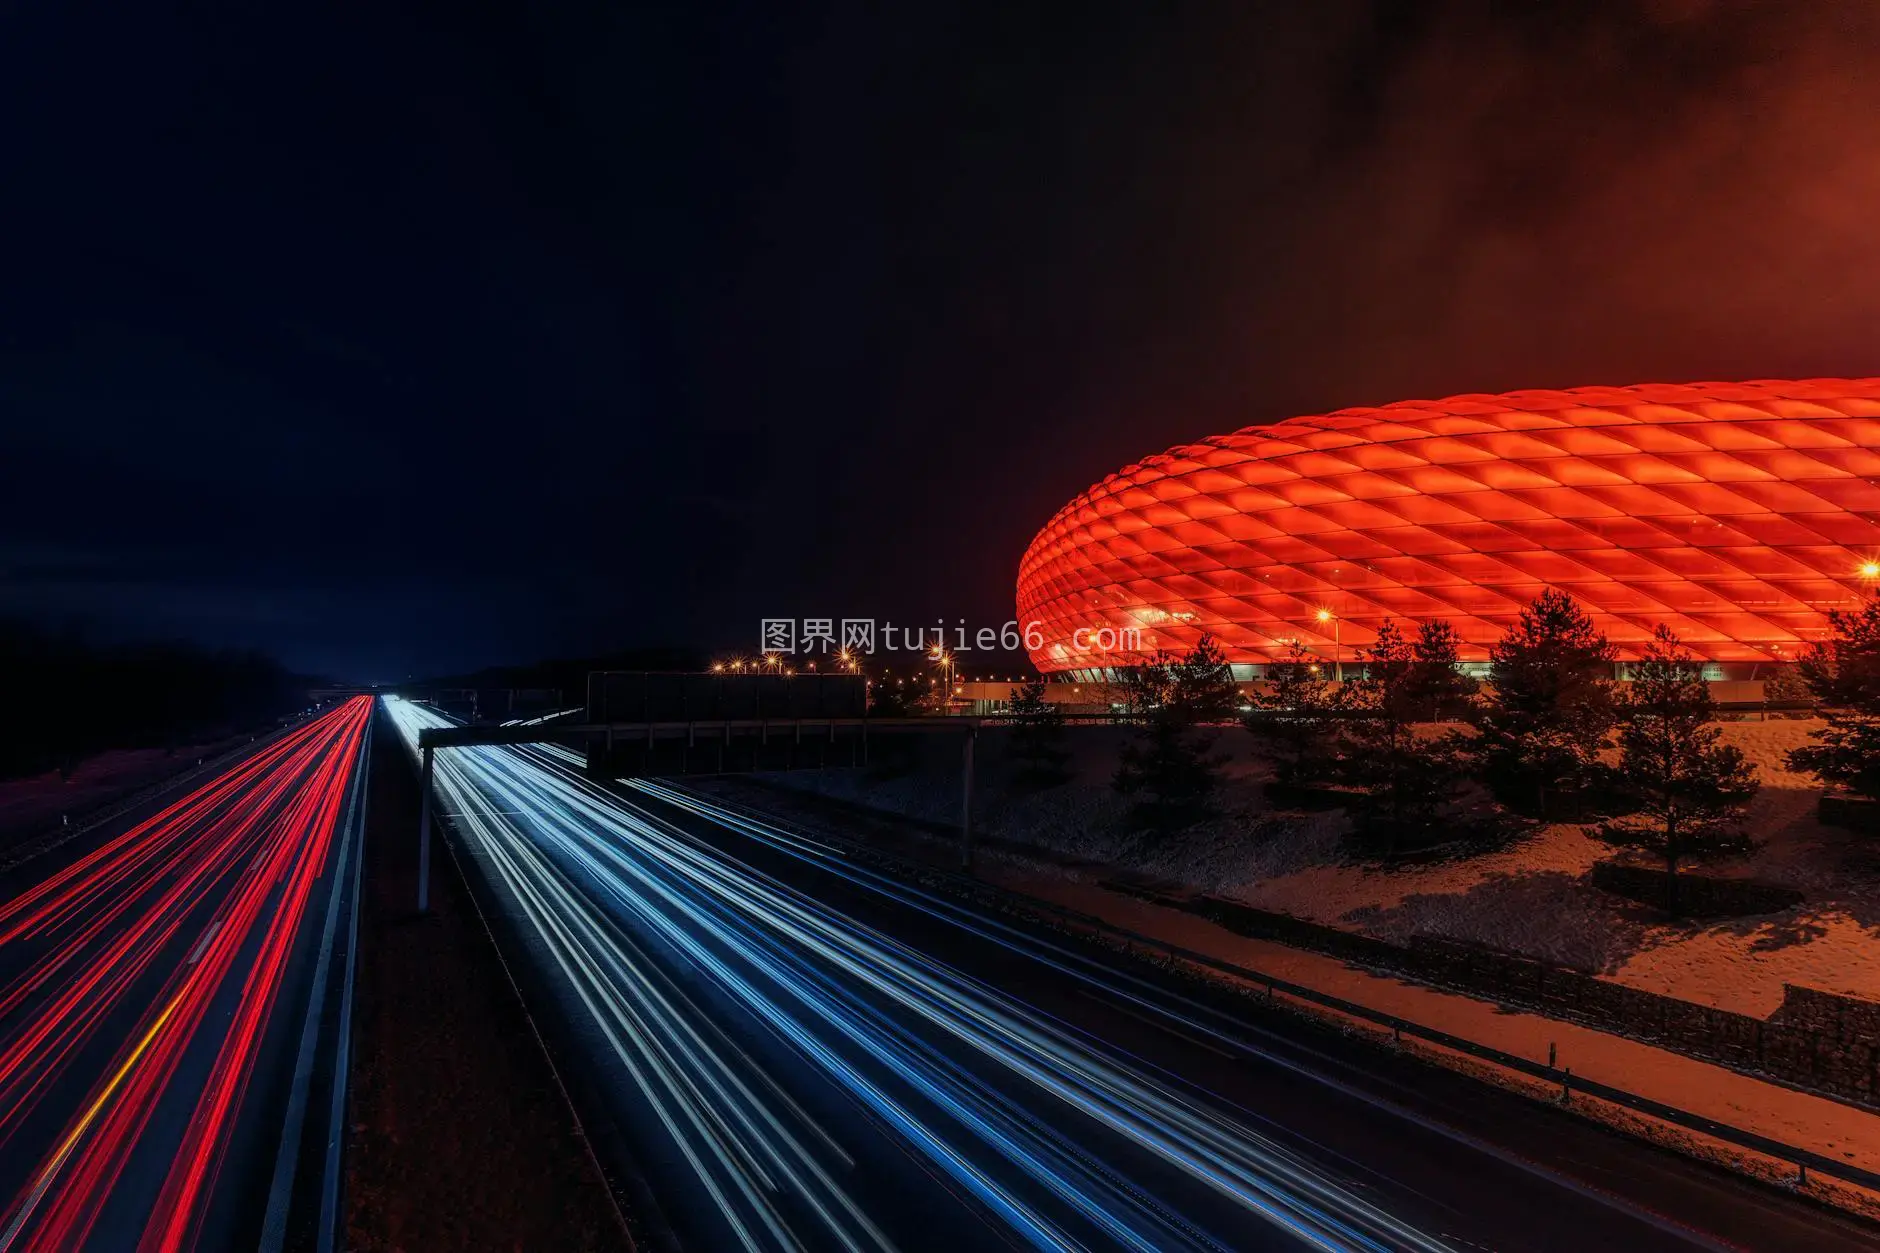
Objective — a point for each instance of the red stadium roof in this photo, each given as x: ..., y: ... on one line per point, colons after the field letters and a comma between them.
x: 1739, y: 513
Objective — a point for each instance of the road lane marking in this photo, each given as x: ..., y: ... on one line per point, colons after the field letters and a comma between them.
x: 77, y: 1133
x: 202, y: 945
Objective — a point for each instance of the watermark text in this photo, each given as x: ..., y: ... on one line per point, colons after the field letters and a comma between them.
x: 833, y: 636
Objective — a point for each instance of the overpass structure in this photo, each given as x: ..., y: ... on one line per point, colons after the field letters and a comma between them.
x: 604, y: 741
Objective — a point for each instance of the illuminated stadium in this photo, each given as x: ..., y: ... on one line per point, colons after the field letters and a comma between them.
x: 1738, y: 513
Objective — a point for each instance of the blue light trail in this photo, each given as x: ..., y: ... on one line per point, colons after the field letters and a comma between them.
x: 1052, y: 1136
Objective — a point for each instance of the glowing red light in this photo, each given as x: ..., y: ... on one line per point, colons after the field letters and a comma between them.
x: 1738, y: 513
x: 109, y: 930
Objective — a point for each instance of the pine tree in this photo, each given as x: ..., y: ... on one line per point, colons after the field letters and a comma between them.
x: 1404, y: 780
x: 1436, y: 680
x: 1037, y: 736
x: 1295, y: 715
x: 1204, y: 688
x: 1843, y: 673
x: 1172, y: 702
x: 1549, y: 708
x: 1691, y: 787
x: 1785, y: 686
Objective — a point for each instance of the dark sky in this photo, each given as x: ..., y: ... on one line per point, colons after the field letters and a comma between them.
x: 399, y: 339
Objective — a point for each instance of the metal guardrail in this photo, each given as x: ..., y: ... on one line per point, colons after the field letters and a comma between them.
x: 327, y: 1236
x: 1569, y: 1084
x: 115, y: 807
x: 304, y: 1195
x: 1803, y: 1159
x: 1764, y: 707
x: 1771, y: 706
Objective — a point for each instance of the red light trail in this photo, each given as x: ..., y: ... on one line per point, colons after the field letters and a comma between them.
x: 137, y: 988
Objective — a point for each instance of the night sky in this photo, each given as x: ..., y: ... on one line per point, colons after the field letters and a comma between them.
x: 399, y: 340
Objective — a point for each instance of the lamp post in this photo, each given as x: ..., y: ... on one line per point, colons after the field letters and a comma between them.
x: 942, y: 656
x: 1338, y: 654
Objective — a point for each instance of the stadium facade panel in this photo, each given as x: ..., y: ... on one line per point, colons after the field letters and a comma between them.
x: 1737, y: 513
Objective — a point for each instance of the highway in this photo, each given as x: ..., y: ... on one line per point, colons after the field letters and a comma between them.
x: 788, y: 1050
x: 155, y: 989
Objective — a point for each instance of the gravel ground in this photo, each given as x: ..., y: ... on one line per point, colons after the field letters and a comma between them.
x: 460, y: 1138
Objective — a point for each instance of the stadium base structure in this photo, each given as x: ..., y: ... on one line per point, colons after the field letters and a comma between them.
x: 1738, y: 514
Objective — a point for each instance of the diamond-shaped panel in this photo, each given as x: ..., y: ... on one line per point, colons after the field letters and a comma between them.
x: 1740, y: 513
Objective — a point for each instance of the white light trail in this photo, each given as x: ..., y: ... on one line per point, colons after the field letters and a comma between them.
x: 1009, y: 1103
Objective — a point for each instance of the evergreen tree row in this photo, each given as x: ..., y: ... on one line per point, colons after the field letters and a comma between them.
x: 1550, y: 736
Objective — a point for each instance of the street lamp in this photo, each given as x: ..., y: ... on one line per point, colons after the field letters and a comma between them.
x: 1338, y: 661
x: 945, y: 660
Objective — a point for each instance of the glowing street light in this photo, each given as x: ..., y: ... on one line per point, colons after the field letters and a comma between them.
x: 940, y: 655
x: 1338, y: 660
x: 1871, y: 570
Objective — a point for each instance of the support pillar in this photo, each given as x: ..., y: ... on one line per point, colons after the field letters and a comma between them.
x: 966, y: 800
x: 424, y: 833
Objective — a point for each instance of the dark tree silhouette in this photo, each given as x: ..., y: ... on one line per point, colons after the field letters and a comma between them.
x: 1404, y: 780
x: 1786, y: 685
x: 69, y: 698
x: 1295, y: 717
x: 1174, y: 703
x: 1204, y: 688
x: 1436, y: 681
x: 1549, y: 707
x: 1690, y: 787
x: 1037, y: 736
x: 1843, y: 673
